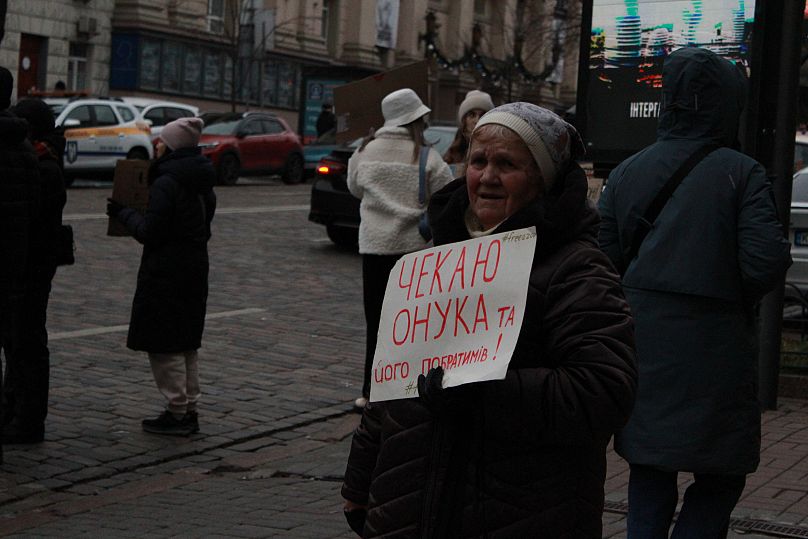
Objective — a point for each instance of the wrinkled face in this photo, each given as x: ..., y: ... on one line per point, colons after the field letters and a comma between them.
x: 470, y: 120
x: 502, y: 177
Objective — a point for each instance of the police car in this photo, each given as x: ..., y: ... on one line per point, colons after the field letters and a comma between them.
x: 98, y: 133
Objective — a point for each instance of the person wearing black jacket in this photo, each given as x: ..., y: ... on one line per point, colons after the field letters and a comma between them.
x: 168, y: 310
x: 19, y: 191
x: 27, y: 373
x: 326, y: 121
x: 524, y: 456
x: 715, y: 248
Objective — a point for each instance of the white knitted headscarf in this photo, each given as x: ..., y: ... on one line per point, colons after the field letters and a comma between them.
x: 552, y: 141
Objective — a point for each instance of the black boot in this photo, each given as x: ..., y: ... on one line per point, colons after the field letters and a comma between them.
x: 167, y: 423
x: 191, y: 418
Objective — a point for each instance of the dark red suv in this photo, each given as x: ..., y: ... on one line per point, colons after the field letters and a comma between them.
x: 247, y: 143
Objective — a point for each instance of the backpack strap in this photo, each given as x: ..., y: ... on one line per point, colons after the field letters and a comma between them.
x: 422, y: 159
x: 646, y: 222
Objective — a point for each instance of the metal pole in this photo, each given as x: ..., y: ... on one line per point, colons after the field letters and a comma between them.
x: 771, y: 310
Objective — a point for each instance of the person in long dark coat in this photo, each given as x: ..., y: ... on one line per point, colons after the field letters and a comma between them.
x: 715, y: 249
x: 168, y: 310
x: 19, y: 194
x: 326, y: 121
x: 28, y: 371
x: 524, y: 456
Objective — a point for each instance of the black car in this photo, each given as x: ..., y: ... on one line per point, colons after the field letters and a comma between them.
x: 334, y: 206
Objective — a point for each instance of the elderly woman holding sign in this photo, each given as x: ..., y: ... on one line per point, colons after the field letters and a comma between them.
x: 524, y: 456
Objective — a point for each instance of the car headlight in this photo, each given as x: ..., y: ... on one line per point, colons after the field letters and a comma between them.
x: 207, y: 145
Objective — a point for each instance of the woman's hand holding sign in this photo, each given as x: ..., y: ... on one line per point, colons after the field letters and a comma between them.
x: 440, y: 400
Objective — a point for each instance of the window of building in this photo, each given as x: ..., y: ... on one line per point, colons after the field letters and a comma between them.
x: 171, y: 63
x: 150, y: 64
x: 213, y: 74
x: 192, y: 72
x: 216, y: 16
x: 77, y: 66
x: 324, y: 20
x: 287, y: 85
x: 192, y: 69
x: 228, y: 77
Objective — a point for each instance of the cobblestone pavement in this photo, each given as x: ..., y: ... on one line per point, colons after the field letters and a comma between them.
x: 280, y: 367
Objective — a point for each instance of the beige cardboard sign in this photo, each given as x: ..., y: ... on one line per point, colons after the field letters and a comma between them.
x: 130, y: 187
x: 358, y: 104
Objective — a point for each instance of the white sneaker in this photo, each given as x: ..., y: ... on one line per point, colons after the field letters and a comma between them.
x: 360, y: 403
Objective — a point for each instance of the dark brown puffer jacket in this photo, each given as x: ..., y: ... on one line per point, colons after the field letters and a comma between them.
x: 526, y: 456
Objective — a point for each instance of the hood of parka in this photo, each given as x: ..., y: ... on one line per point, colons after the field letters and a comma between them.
x: 13, y: 130
x: 703, y: 96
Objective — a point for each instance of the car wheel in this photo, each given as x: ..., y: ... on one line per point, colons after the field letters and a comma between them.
x: 294, y: 169
x: 343, y: 236
x: 138, y: 153
x: 229, y: 168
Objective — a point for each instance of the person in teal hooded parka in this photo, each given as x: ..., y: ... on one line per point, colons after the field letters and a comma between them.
x: 714, y: 250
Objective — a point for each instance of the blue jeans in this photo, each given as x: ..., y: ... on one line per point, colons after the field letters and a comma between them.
x: 706, y: 509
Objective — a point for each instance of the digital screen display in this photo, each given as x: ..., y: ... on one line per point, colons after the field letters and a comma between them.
x: 629, y: 41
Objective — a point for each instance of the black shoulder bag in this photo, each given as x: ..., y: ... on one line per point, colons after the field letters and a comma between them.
x: 646, y: 222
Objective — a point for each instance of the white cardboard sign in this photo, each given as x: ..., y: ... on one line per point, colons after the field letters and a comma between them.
x: 458, y: 305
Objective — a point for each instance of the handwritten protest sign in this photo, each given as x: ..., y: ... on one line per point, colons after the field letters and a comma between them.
x: 460, y: 306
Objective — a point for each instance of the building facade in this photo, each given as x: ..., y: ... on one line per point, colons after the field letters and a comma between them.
x: 287, y: 55
x: 46, y: 41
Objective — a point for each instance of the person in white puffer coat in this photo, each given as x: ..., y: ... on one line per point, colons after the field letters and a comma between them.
x: 383, y: 174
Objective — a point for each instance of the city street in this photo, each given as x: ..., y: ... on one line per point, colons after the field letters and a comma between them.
x: 280, y: 367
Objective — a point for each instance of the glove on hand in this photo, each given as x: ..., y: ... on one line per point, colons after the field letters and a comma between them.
x: 442, y: 401
x: 114, y: 208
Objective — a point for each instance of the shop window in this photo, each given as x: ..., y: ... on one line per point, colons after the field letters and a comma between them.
x: 280, y: 84
x: 269, y: 83
x: 228, y: 77
x: 171, y: 64
x: 192, y: 73
x: 213, y: 74
x: 77, y: 66
x: 287, y: 85
x: 150, y: 65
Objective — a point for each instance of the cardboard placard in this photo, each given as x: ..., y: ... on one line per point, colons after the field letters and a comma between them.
x: 460, y: 306
x: 358, y: 104
x: 129, y: 187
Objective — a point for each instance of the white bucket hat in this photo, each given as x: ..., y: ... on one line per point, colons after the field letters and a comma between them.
x: 402, y: 107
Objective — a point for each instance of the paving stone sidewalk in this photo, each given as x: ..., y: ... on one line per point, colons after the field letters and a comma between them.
x: 281, y: 366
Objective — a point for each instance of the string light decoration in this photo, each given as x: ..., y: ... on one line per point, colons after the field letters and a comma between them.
x: 512, y: 66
